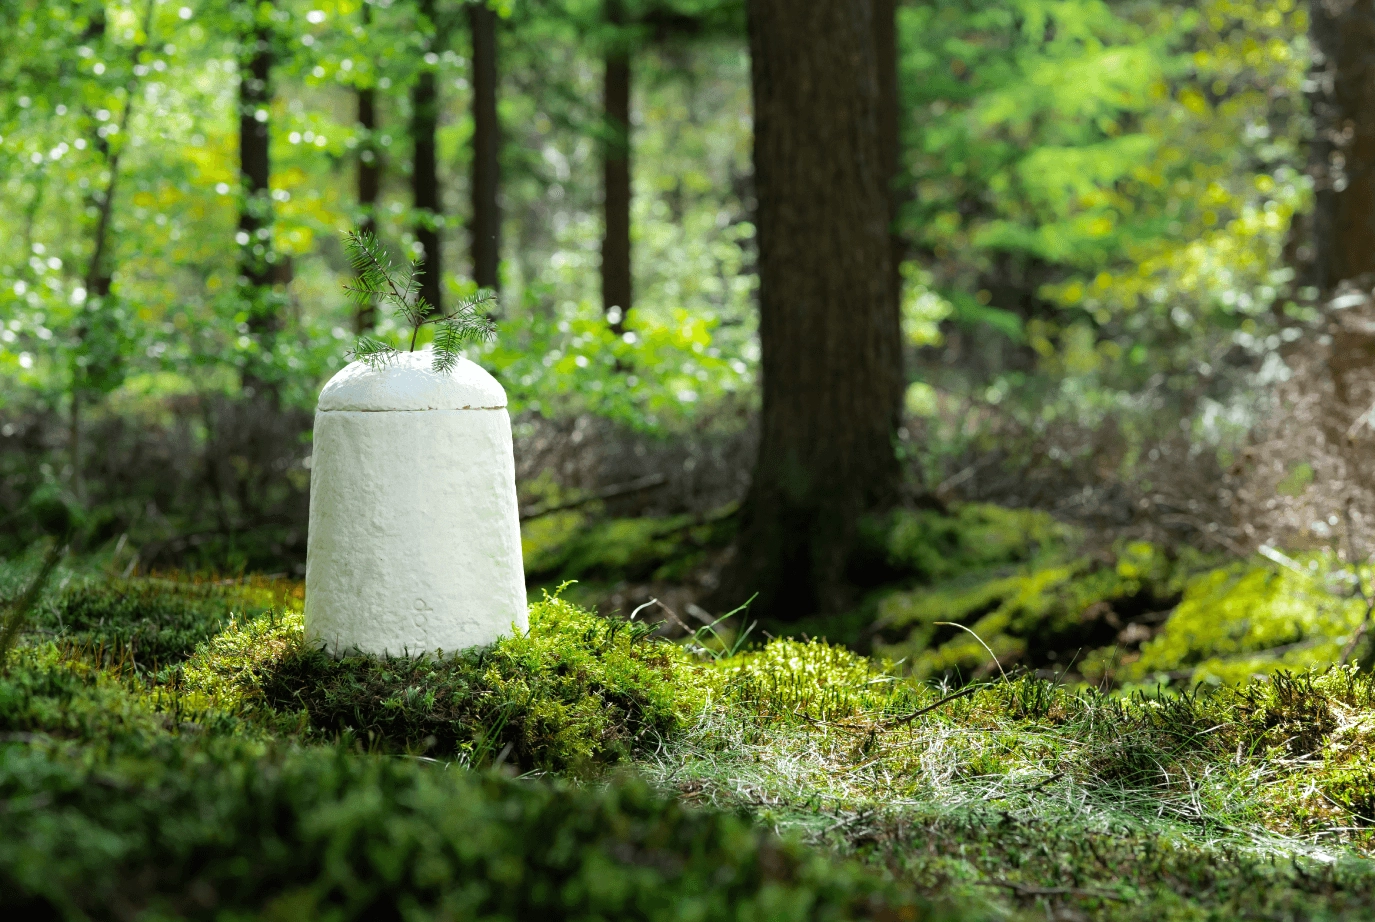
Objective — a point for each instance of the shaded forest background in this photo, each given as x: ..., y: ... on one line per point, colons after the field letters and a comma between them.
x: 1129, y: 240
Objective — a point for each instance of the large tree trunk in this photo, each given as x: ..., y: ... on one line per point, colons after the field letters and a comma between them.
x: 486, y: 148
x: 256, y: 258
x: 369, y: 179
x: 1343, y: 154
x: 1339, y: 246
x: 832, y: 364
x: 425, y: 170
x: 616, y: 282
x: 890, y: 142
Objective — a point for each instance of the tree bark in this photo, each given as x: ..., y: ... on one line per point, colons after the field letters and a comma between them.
x: 1343, y: 152
x: 255, y: 170
x: 890, y: 145
x: 832, y: 365
x: 425, y: 191
x: 486, y: 234
x: 616, y: 278
x: 369, y: 188
x: 256, y: 259
x: 369, y: 179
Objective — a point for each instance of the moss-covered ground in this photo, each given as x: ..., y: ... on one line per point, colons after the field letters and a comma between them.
x: 1121, y: 733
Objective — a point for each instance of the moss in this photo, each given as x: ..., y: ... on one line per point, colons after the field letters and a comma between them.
x: 1249, y: 618
x: 975, y: 538
x: 787, y: 678
x: 1062, y: 801
x: 121, y: 801
x: 235, y: 787
x: 219, y: 829
x: 151, y: 622
x: 1028, y: 616
x: 576, y: 693
x: 570, y: 545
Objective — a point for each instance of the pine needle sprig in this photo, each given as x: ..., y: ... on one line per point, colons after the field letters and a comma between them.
x: 373, y: 353
x: 376, y: 280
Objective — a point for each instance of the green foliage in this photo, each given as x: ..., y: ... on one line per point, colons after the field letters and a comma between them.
x: 574, y: 694
x: 15, y: 615
x: 789, y: 678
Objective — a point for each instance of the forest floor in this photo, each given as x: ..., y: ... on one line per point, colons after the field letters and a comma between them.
x: 1156, y: 735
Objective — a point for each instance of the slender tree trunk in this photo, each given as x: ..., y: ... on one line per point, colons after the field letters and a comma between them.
x: 486, y: 148
x: 1343, y: 152
x: 832, y: 365
x: 99, y: 276
x: 369, y: 179
x: 256, y: 257
x: 425, y: 171
x: 616, y: 279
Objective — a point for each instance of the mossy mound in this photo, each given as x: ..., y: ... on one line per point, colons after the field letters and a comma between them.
x: 973, y: 538
x: 574, y: 694
x: 1230, y: 803
x: 1254, y: 617
x: 571, y: 546
x: 114, y: 809
x: 1053, y: 609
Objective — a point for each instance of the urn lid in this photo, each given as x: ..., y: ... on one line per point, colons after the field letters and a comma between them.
x: 409, y: 382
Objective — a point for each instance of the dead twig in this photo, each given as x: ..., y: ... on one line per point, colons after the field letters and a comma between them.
x: 1029, y: 890
x: 1356, y: 560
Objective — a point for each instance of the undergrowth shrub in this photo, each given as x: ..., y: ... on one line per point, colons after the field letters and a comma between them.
x: 576, y: 693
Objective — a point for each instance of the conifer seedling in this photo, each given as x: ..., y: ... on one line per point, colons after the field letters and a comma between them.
x: 377, y: 280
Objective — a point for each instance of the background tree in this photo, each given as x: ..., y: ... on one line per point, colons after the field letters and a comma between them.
x: 832, y: 369
x: 369, y: 173
x: 616, y: 185
x: 256, y: 256
x: 486, y: 172
x: 425, y: 187
x: 1342, y: 154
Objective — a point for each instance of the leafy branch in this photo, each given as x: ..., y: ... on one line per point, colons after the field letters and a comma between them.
x: 377, y: 280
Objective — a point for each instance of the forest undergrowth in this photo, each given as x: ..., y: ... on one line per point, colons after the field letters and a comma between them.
x: 171, y: 748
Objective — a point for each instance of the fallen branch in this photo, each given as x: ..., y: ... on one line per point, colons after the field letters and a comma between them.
x: 648, y: 482
x: 1029, y: 890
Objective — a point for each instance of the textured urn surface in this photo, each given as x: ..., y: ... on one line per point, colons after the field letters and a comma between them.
x: 414, y: 542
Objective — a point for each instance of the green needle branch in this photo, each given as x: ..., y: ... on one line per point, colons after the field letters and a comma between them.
x: 377, y: 280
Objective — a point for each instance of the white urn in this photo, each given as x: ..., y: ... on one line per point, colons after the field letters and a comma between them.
x: 414, y: 542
